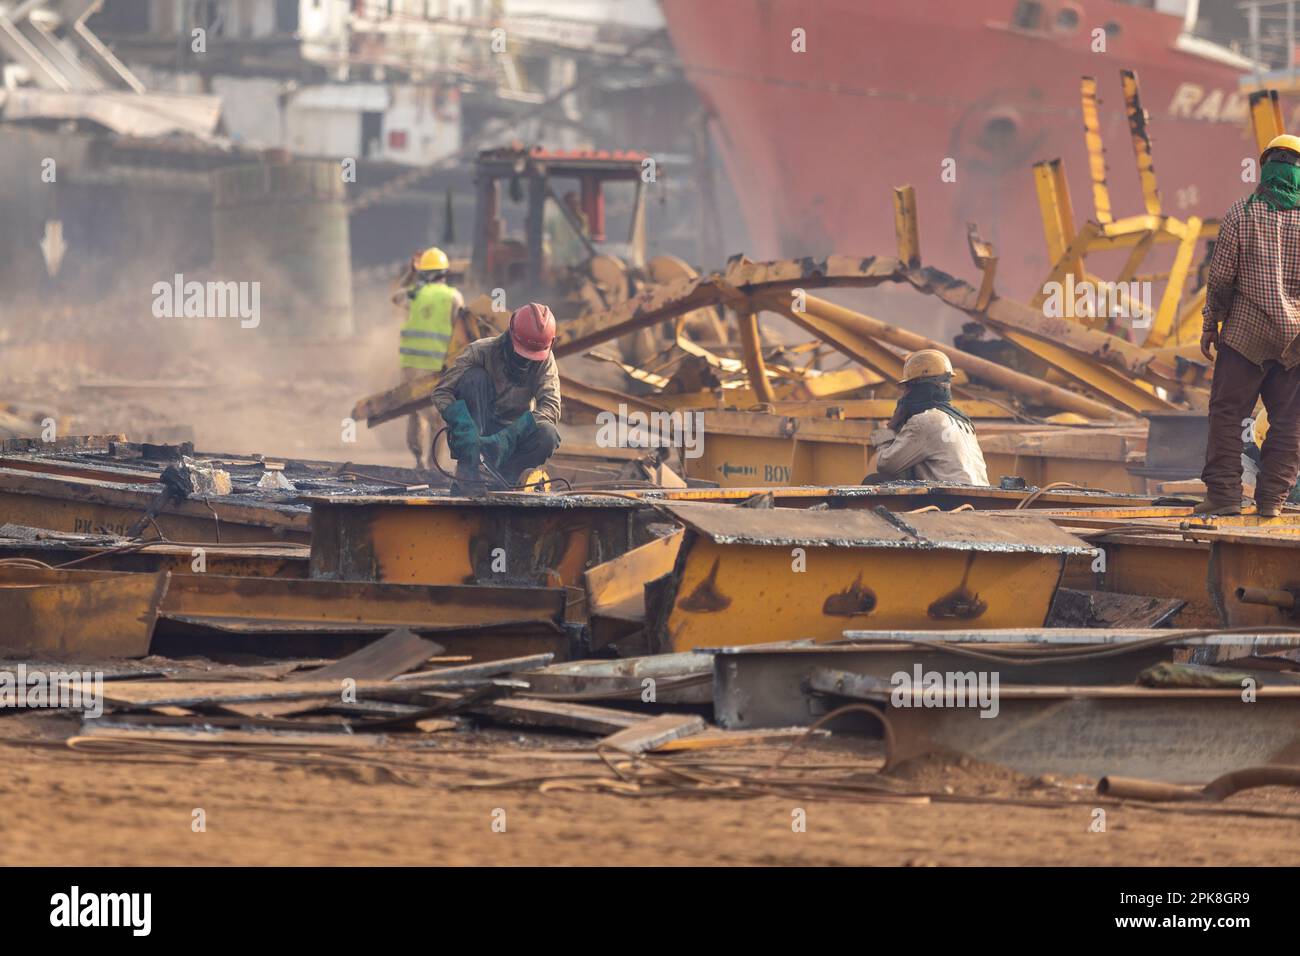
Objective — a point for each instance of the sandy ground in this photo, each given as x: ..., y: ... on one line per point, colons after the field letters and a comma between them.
x: 405, y: 804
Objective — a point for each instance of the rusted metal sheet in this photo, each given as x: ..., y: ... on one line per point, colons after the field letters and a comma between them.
x: 1059, y: 636
x: 104, y: 553
x: 1253, y: 575
x: 286, y: 605
x: 1111, y: 609
x: 745, y: 575
x: 511, y: 538
x: 1158, y: 565
x: 667, y: 678
x: 1173, y: 735
x: 86, y: 506
x: 911, y: 495
x: 876, y: 529
x: 615, y: 589
x: 73, y: 617
x: 395, y: 653
x: 768, y: 686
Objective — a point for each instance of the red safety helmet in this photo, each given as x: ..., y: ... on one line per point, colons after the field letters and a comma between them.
x: 532, y: 331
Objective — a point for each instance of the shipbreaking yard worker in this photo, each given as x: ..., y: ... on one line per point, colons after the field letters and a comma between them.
x: 1252, y: 321
x: 425, y: 338
x: 928, y: 438
x: 500, y: 398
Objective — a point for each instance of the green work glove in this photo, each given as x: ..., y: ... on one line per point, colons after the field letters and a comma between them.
x: 462, y: 434
x: 497, y: 448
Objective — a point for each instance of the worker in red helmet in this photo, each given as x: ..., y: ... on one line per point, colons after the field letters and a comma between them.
x: 500, y: 399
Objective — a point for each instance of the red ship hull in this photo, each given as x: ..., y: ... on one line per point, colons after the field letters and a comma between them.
x: 887, y: 91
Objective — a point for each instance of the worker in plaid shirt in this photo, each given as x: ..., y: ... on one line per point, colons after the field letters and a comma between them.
x: 1252, y: 321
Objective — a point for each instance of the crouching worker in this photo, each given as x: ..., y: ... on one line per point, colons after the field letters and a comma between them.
x: 928, y: 438
x: 500, y: 398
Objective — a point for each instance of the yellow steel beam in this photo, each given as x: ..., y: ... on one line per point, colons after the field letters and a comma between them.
x: 1126, y: 391
x: 1096, y: 152
x: 725, y: 592
x: 986, y: 261
x: 85, y: 506
x: 513, y: 539
x: 1008, y: 315
x: 1135, y: 257
x: 906, y: 230
x: 1265, y: 117
x: 1141, y: 136
x: 1133, y: 226
x: 857, y: 346
x: 752, y: 348
x: 1104, y: 242
x: 617, y: 587
x: 1013, y: 590
x: 1168, y: 310
x: 842, y: 319
x: 1188, y: 327
x: 1267, y: 564
x: 88, y: 618
x: 1070, y: 261
x: 1056, y: 233
x: 606, y: 399
x: 837, y: 382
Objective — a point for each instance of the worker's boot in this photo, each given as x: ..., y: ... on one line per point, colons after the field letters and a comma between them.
x: 469, y: 481
x: 1213, y: 506
x: 1268, y: 509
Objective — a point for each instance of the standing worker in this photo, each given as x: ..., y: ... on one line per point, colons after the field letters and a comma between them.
x: 500, y: 398
x: 426, y: 336
x: 928, y: 438
x: 1252, y: 321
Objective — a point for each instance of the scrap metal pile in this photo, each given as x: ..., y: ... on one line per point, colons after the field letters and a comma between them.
x: 758, y: 591
x: 243, y: 604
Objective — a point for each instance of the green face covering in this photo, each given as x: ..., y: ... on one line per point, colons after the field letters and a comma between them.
x: 1279, y: 186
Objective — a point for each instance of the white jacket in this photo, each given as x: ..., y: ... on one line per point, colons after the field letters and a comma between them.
x: 932, y: 446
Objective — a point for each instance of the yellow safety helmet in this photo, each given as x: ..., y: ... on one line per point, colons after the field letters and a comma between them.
x: 1285, y: 141
x: 927, y: 363
x: 432, y: 259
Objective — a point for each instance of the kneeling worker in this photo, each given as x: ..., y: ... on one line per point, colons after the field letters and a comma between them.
x: 500, y: 398
x: 928, y: 438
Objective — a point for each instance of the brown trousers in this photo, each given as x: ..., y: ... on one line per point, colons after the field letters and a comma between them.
x: 1238, y: 382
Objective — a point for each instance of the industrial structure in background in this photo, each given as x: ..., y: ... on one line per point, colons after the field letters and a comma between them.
x: 406, y: 94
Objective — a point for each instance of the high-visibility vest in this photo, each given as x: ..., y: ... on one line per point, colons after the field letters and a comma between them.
x: 426, y: 336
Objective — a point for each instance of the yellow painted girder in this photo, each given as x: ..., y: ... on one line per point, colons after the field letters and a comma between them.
x: 1173, y: 293
x: 1137, y: 125
x: 1265, y: 117
x: 1128, y: 392
x: 906, y: 230
x: 750, y: 594
x: 752, y: 348
x: 1188, y: 327
x: 1054, y: 207
x: 1096, y: 152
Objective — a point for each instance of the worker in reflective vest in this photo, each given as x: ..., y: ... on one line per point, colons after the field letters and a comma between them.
x: 425, y: 338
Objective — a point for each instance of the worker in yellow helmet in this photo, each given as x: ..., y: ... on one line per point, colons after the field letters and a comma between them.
x: 928, y: 438
x: 425, y: 338
x: 1251, y: 321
